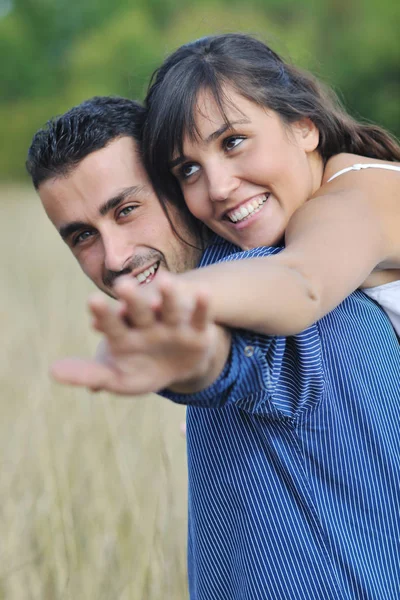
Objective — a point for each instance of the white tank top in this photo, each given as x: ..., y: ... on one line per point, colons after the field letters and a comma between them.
x: 388, y: 294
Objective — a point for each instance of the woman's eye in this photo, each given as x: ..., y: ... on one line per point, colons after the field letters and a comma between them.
x: 232, y: 142
x: 188, y: 170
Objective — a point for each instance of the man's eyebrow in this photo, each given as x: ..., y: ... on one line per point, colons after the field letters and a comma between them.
x: 211, y: 138
x: 119, y: 198
x: 66, y: 230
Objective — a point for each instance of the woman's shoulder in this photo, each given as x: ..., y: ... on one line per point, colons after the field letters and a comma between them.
x: 342, y: 161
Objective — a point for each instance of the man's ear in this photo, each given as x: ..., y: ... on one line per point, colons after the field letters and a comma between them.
x: 307, y: 134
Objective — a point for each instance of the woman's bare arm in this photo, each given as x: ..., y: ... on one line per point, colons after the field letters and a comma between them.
x: 333, y: 243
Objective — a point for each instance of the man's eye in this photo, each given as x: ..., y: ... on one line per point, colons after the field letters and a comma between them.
x: 232, y: 142
x: 126, y: 210
x: 82, y: 237
x: 188, y: 170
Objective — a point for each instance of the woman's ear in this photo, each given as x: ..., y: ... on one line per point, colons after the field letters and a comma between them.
x: 307, y: 134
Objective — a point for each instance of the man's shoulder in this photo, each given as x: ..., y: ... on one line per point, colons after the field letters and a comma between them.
x: 219, y: 249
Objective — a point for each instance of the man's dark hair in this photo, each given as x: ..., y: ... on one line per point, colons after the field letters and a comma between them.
x: 66, y: 139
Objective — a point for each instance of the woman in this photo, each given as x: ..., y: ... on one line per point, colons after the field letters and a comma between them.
x: 263, y: 155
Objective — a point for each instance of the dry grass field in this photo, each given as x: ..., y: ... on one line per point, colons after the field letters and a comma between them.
x: 92, y: 487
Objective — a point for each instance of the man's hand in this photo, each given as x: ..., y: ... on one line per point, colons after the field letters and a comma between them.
x: 151, y: 341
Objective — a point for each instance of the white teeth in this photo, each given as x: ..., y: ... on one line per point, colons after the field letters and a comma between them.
x: 143, y: 276
x: 244, y: 211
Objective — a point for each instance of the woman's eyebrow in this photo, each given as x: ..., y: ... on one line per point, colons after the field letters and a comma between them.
x: 221, y: 130
x: 211, y: 138
x: 177, y: 161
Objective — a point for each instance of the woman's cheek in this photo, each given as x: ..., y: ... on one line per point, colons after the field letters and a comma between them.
x: 197, y: 204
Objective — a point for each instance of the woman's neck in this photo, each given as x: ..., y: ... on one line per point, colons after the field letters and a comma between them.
x: 317, y: 168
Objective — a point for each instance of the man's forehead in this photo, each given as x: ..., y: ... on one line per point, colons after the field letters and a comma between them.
x: 68, y: 198
x: 111, y: 171
x: 118, y: 159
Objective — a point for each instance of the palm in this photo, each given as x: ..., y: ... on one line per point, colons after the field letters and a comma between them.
x: 146, y: 348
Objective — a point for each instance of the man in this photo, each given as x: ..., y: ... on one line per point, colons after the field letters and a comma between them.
x: 293, y: 443
x: 86, y: 167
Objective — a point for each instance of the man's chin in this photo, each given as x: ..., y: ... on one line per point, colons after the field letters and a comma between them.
x: 108, y: 291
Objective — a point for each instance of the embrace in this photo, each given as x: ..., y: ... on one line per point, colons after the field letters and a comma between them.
x: 283, y: 344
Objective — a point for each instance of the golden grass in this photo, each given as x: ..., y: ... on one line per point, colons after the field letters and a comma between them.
x: 92, y: 487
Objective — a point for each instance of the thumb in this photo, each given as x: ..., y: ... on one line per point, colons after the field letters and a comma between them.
x: 81, y: 372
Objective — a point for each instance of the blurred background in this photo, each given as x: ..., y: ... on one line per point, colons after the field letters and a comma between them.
x: 56, y: 53
x: 93, y: 488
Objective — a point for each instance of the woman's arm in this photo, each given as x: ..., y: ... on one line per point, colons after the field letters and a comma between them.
x: 332, y: 244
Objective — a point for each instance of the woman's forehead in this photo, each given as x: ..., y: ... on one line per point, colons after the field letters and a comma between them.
x: 222, y: 107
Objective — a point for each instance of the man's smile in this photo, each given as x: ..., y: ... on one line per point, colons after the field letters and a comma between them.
x: 147, y: 274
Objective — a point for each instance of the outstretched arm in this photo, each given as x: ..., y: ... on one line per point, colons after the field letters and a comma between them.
x: 148, y: 345
x: 332, y: 244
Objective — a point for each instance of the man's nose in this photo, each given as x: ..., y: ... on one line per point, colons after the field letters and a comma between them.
x: 117, y: 252
x: 222, y: 182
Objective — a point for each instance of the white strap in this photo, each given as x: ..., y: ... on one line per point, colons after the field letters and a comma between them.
x: 360, y: 166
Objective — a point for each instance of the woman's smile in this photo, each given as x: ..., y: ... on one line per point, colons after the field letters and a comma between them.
x: 247, y: 171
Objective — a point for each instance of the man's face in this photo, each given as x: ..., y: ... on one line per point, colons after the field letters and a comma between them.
x: 108, y: 214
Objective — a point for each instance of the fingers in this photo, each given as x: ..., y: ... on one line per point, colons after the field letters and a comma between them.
x: 137, y: 306
x: 201, y: 312
x: 170, y: 302
x: 83, y: 373
x: 182, y: 305
x: 171, y: 310
x: 177, y: 302
x: 106, y: 318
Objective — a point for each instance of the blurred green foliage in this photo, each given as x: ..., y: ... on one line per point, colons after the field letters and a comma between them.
x: 56, y: 53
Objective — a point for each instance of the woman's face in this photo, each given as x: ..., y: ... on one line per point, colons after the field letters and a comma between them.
x: 246, y: 179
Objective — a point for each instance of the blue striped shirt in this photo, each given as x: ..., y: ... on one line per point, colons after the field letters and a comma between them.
x: 294, y: 462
